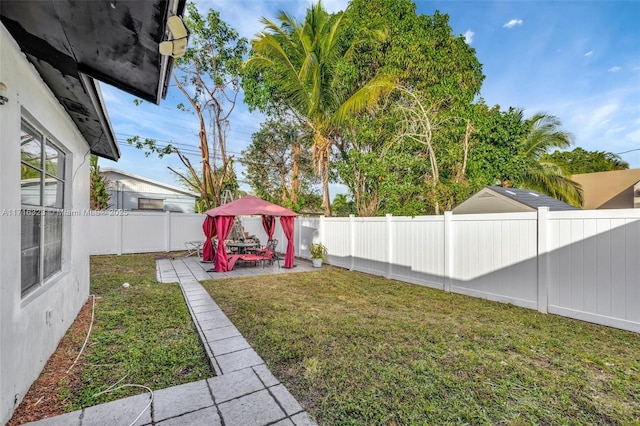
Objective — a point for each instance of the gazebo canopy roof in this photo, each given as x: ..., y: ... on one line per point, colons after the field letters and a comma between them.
x: 250, y: 205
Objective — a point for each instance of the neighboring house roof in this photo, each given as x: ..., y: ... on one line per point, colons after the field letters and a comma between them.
x: 71, y: 43
x: 496, y: 199
x: 108, y: 172
x: 608, y: 190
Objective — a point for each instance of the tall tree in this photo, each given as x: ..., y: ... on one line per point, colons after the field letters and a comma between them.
x: 421, y: 122
x: 209, y: 78
x: 582, y: 161
x: 444, y: 72
x: 278, y: 164
x: 296, y: 61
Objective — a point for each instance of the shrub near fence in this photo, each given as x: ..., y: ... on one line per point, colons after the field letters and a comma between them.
x: 580, y: 264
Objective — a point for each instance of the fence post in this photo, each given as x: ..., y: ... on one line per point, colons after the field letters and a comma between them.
x: 167, y: 230
x: 352, y: 242
x: 389, y: 246
x: 119, y: 220
x: 543, y: 259
x: 448, y: 251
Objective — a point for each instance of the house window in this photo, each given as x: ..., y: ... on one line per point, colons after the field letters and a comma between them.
x: 150, y: 204
x: 42, y: 187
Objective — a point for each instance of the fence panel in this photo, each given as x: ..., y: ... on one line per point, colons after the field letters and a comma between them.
x: 184, y: 227
x: 370, y: 245
x: 105, y: 235
x: 307, y: 232
x: 143, y: 232
x: 594, y: 271
x: 495, y: 257
x: 336, y: 233
x: 418, y: 250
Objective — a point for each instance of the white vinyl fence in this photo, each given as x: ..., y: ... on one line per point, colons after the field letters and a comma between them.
x: 124, y: 232
x: 579, y: 264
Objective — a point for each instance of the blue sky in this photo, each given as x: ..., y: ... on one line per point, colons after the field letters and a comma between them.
x: 577, y: 60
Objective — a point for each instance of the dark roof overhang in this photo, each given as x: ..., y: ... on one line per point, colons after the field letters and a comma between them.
x: 71, y: 43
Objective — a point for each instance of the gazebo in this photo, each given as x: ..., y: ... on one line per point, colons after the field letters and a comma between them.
x: 219, y: 221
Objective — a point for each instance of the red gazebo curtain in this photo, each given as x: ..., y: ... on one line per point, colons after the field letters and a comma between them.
x: 209, y: 229
x: 223, y: 225
x: 288, y: 226
x: 269, y: 225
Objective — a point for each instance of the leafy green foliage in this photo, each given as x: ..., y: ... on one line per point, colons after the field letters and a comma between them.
x: 362, y: 350
x: 318, y: 251
x: 497, y: 157
x: 439, y: 67
x: 342, y: 206
x: 544, y: 134
x: 583, y: 161
x: 419, y: 49
x: 512, y: 151
x: 279, y: 166
x: 296, y: 64
x: 99, y: 199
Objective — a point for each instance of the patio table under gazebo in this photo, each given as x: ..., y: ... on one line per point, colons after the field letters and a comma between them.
x: 219, y: 222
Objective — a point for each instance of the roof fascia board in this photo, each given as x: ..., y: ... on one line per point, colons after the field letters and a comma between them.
x: 93, y: 90
x: 509, y: 200
x: 147, y: 180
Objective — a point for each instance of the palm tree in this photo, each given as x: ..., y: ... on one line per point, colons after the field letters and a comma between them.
x: 301, y: 59
x: 545, y: 175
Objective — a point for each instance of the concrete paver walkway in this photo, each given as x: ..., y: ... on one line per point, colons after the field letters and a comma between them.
x: 243, y: 392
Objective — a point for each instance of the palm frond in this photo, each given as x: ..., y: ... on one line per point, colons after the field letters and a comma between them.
x: 545, y: 134
x: 365, y: 97
x: 555, y: 185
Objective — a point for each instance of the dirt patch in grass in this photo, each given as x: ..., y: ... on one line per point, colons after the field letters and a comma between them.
x: 46, y: 398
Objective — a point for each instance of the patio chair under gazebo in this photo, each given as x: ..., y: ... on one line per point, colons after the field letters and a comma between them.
x: 219, y: 222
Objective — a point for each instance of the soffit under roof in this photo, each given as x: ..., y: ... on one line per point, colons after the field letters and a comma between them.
x: 71, y: 43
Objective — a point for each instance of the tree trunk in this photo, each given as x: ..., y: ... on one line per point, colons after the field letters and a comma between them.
x: 295, y: 180
x: 321, y: 151
x: 326, y: 201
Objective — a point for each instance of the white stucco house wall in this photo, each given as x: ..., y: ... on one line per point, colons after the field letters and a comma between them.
x: 35, y: 313
x: 131, y: 192
x: 52, y: 118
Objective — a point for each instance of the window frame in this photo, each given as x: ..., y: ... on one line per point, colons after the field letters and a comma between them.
x: 47, y: 215
x: 150, y: 202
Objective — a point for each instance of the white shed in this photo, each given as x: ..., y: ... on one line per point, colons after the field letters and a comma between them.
x: 496, y: 199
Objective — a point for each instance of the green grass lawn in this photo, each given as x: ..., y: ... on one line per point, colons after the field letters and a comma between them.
x: 357, y: 349
x: 144, y: 333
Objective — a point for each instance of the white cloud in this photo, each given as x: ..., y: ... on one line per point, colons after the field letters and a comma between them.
x: 601, y: 116
x: 468, y: 36
x: 589, y: 53
x: 614, y: 69
x: 513, y: 23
